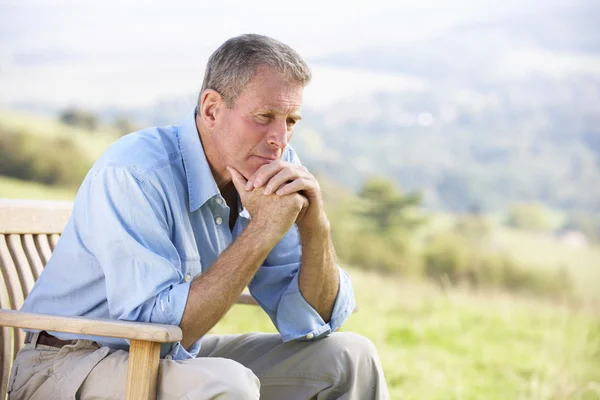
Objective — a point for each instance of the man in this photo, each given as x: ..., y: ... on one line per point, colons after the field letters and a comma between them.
x: 171, y: 224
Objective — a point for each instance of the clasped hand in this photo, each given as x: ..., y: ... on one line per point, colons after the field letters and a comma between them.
x: 279, y: 194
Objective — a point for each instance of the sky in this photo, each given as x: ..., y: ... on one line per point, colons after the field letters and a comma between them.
x: 135, y: 53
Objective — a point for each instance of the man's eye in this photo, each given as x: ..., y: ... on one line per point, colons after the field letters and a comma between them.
x: 291, y: 122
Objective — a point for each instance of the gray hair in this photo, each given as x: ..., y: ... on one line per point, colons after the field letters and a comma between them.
x: 235, y: 62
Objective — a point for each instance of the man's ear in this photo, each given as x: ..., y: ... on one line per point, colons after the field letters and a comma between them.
x: 210, y: 103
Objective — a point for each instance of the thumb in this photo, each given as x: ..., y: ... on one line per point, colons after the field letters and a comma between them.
x: 238, y: 180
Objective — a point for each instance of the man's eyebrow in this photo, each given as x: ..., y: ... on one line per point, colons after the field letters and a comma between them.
x: 278, y: 111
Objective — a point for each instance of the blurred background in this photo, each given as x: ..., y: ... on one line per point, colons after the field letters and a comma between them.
x: 457, y: 145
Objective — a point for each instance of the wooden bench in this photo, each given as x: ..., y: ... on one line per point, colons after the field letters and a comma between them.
x: 29, y: 232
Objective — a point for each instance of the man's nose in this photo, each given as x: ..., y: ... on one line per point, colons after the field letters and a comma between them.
x: 278, y: 135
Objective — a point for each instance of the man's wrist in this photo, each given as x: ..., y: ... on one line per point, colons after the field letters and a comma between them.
x: 318, y: 226
x: 263, y: 235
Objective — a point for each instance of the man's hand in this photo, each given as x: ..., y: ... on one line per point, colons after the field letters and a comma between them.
x: 275, y: 213
x: 284, y: 178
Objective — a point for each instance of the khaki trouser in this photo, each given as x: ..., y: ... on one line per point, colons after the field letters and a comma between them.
x: 343, y: 365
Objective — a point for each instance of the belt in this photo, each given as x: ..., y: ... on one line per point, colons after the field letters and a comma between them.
x: 48, y: 340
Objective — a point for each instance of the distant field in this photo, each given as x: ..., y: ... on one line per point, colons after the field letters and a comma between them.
x: 544, y: 251
x: 93, y: 144
x: 464, y: 346
x: 17, y: 189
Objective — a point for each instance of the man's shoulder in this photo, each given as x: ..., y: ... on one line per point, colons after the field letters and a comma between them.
x: 141, y: 153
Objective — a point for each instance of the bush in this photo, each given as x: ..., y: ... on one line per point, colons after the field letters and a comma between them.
x: 529, y: 216
x: 449, y: 257
x: 383, y: 254
x: 52, y: 161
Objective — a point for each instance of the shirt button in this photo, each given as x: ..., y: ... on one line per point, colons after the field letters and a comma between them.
x: 168, y: 357
x: 218, y: 220
x: 310, y: 336
x: 219, y: 201
x: 187, y: 278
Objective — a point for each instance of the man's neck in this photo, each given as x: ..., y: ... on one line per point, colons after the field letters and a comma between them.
x: 220, y: 180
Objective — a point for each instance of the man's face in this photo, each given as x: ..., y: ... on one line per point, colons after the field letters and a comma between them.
x: 257, y: 129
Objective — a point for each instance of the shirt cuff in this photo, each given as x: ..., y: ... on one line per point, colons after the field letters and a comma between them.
x: 175, y: 351
x: 168, y: 310
x: 170, y: 304
x: 297, y: 319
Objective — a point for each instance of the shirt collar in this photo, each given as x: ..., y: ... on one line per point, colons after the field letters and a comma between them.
x: 200, y: 180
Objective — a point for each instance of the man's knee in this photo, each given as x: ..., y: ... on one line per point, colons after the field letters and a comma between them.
x: 206, y: 378
x: 356, y: 345
x: 239, y: 382
x: 210, y: 378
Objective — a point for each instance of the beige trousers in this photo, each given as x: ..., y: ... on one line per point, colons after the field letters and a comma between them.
x: 341, y: 366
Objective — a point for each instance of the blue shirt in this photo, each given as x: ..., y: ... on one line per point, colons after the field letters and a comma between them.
x: 147, y: 219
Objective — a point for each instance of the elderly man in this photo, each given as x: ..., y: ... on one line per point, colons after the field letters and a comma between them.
x: 171, y: 224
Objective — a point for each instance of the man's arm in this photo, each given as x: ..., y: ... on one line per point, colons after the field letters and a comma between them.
x: 212, y: 294
x: 319, y: 275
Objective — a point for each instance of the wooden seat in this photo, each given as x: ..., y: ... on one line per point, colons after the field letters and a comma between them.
x: 29, y: 232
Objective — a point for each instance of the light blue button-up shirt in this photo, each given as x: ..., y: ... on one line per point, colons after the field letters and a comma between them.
x: 147, y: 219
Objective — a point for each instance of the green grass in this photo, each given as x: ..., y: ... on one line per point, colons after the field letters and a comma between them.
x: 458, y: 345
x: 17, y: 189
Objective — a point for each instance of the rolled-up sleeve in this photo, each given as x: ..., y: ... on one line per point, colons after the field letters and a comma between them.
x: 128, y: 233
x: 275, y: 287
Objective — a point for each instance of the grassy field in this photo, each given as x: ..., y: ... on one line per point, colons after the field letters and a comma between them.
x: 458, y: 345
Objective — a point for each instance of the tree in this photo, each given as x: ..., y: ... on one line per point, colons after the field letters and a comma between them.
x: 387, y: 208
x: 80, y: 118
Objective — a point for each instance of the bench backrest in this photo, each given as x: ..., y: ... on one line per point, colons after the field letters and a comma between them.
x: 29, y: 231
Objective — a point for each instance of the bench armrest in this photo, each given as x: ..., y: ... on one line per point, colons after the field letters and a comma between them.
x: 89, y: 326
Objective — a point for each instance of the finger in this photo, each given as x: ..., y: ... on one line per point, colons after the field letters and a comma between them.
x: 250, y: 182
x: 283, y: 176
x: 238, y: 179
x: 265, y: 172
x: 300, y: 184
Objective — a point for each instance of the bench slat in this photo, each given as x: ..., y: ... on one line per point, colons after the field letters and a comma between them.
x: 31, y: 251
x: 43, y: 246
x: 15, y: 246
x: 53, y: 240
x: 92, y: 326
